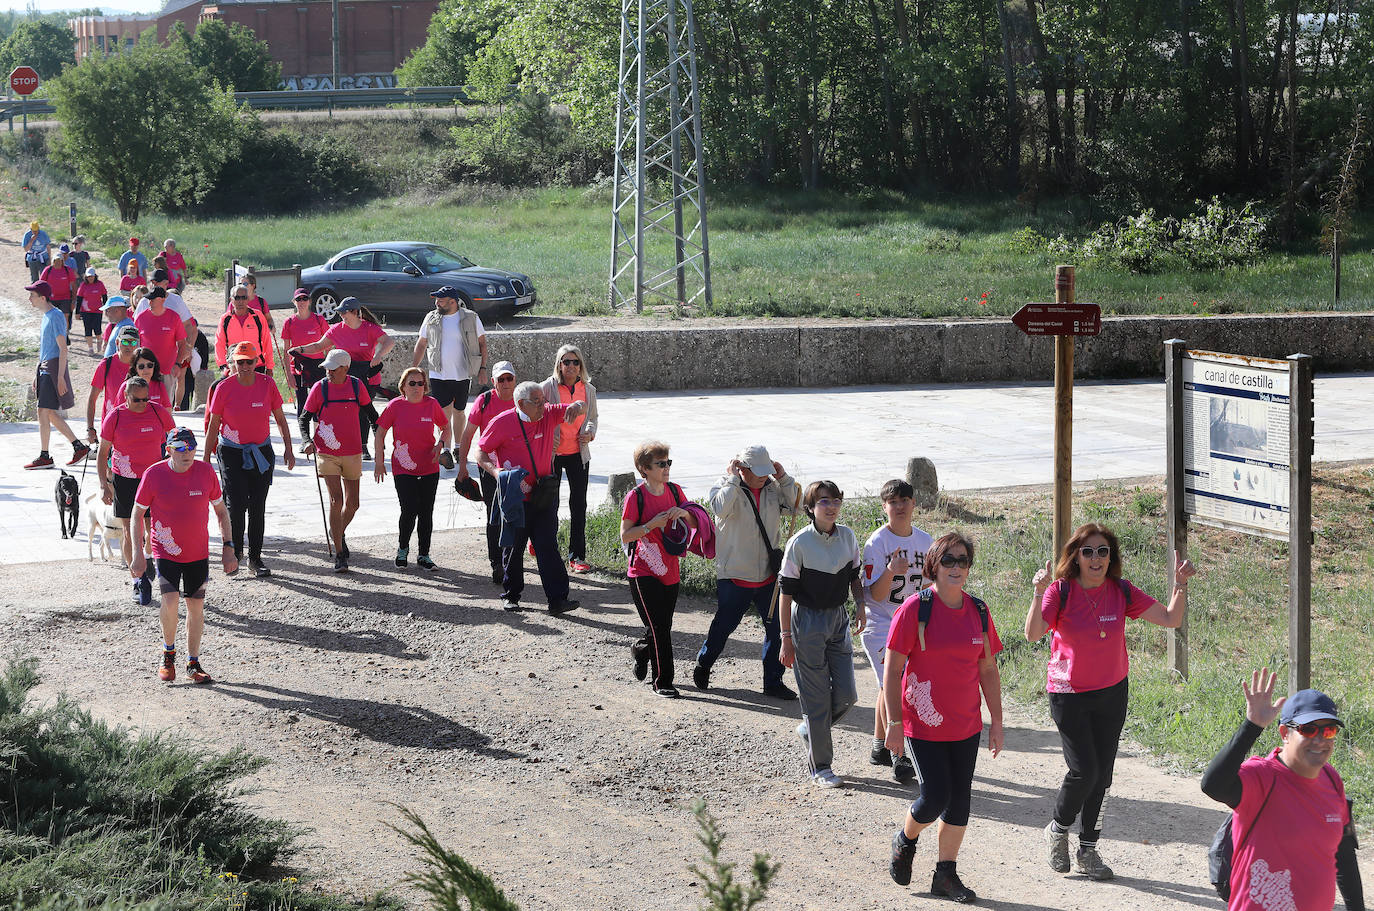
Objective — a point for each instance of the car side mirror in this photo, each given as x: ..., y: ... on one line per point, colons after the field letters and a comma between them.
x: 411, y: 270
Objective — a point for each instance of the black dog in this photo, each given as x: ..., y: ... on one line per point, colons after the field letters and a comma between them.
x: 68, y: 506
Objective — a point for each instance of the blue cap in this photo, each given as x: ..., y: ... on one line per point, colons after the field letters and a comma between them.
x: 64, y: 249
x: 349, y: 303
x: 676, y: 534
x: 447, y: 291
x: 115, y: 301
x: 181, y: 435
x: 1309, y: 705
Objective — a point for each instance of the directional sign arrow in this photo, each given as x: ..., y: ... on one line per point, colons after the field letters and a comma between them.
x: 1059, y: 319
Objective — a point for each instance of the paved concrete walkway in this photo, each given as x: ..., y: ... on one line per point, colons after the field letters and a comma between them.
x: 978, y: 436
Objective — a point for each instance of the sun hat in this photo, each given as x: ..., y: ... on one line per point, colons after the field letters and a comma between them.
x: 90, y: 270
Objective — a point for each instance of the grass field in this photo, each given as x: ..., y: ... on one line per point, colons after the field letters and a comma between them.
x: 773, y: 253
x: 1237, y: 609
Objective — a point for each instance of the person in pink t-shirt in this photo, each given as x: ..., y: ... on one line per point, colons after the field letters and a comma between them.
x: 366, y: 343
x: 131, y: 438
x: 420, y: 432
x: 91, y: 294
x: 1293, y: 838
x: 176, y: 496
x: 163, y: 331
x: 176, y: 264
x: 933, y: 675
x: 1087, y: 607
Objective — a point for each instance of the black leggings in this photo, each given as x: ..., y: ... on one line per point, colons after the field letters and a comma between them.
x: 655, y: 603
x: 1089, y: 730
x: 576, y: 470
x: 245, y: 493
x: 946, y: 768
x: 416, y: 493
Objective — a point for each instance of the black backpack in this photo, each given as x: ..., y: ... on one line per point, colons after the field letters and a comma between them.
x: 324, y: 393
x: 927, y: 604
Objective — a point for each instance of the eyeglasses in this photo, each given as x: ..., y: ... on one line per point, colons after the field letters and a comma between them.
x: 419, y: 383
x: 828, y: 502
x: 181, y: 446
x: 950, y: 560
x: 135, y: 401
x: 571, y: 362
x: 1090, y: 552
x: 1328, y: 729
x: 240, y: 297
x: 663, y: 463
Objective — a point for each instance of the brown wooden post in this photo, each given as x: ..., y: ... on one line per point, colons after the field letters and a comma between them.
x: 1174, y: 422
x: 1063, y: 416
x: 1300, y: 429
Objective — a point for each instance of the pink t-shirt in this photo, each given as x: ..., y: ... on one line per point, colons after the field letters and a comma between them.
x: 110, y: 375
x: 1288, y: 863
x: 1088, y: 646
x: 62, y: 280
x: 503, y: 440
x: 157, y: 394
x: 650, y: 558
x: 161, y: 334
x: 245, y: 411
x: 178, y: 505
x: 130, y: 282
x: 360, y: 343
x: 415, y: 428
x: 91, y: 294
x: 135, y: 439
x: 176, y: 265
x: 337, y: 432
x: 480, y: 417
x: 297, y: 332
x: 941, y: 696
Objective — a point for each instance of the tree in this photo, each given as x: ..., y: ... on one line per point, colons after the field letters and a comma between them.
x: 43, y: 45
x: 145, y: 127
x: 231, y: 54
x: 454, y: 36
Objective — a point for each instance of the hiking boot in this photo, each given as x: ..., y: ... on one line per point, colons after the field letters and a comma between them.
x: 79, y: 452
x: 197, y: 673
x: 880, y: 754
x: 258, y: 567
x: 403, y: 556
x: 903, y: 771
x: 168, y: 672
x: 701, y: 676
x: 779, y: 690
x: 1059, y: 848
x: 424, y: 562
x: 43, y: 461
x: 946, y: 883
x: 1089, y: 863
x: 902, y: 855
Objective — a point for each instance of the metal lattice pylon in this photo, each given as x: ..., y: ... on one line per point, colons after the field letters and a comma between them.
x: 659, y: 194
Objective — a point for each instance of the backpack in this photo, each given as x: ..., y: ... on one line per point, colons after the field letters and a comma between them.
x: 639, y: 512
x: 324, y: 393
x: 926, y: 606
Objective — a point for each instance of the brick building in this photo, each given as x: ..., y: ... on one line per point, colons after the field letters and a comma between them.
x: 375, y: 36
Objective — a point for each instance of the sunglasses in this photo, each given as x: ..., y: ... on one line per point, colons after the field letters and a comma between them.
x: 1328, y: 729
x: 144, y: 365
x: 135, y: 401
x: 570, y: 362
x: 663, y: 463
x: 1090, y: 552
x: 250, y: 362
x: 129, y: 342
x: 827, y: 502
x: 949, y: 560
x: 181, y: 446
x: 505, y: 379
x: 240, y: 297
x: 419, y: 383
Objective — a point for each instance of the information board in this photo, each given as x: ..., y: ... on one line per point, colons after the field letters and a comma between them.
x: 1236, y: 453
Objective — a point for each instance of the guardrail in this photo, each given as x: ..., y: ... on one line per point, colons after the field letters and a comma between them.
x: 304, y: 100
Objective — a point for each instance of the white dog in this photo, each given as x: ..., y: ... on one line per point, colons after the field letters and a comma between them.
x: 103, y: 522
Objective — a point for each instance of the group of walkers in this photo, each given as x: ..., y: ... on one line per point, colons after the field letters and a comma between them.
x: 931, y: 643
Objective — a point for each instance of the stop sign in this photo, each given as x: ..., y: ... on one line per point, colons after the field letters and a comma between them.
x: 24, y: 80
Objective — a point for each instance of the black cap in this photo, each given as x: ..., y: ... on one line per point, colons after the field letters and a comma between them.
x: 160, y: 275
x: 447, y: 291
x: 349, y: 303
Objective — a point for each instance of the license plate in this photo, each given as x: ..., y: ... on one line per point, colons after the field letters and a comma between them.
x: 521, y: 301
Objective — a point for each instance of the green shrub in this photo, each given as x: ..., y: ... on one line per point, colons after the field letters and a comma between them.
x: 1028, y: 242
x: 285, y: 171
x: 1220, y: 236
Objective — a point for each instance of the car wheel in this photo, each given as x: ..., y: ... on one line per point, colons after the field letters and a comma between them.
x: 326, y: 304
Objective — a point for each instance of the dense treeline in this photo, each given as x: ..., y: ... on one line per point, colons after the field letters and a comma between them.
x: 1138, y: 100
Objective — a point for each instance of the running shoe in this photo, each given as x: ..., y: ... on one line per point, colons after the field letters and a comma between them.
x: 902, y: 856
x: 903, y: 771
x: 879, y: 754
x: 946, y: 883
x: 143, y: 590
x: 826, y: 778
x: 563, y: 606
x: 701, y: 676
x: 343, y: 548
x: 340, y: 564
x: 197, y: 673
x: 1089, y: 863
x: 641, y: 659
x: 168, y: 672
x: 258, y: 567
x: 779, y: 690
x: 1059, y: 848
x: 579, y: 566
x: 403, y: 556
x: 667, y: 692
x: 43, y: 461
x: 79, y: 452
x: 424, y: 562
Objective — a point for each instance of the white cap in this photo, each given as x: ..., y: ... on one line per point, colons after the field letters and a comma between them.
x: 502, y: 367
x: 756, y: 459
x: 90, y: 270
x: 337, y: 357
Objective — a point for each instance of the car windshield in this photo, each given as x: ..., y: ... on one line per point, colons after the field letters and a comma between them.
x: 436, y: 259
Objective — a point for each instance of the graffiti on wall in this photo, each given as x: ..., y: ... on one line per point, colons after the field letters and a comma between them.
x: 325, y: 82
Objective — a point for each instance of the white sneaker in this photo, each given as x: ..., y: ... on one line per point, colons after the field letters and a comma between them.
x: 826, y: 778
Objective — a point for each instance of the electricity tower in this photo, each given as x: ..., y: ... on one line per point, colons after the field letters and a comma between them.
x: 658, y: 206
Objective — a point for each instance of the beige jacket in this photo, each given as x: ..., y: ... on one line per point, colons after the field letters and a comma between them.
x: 550, y: 387
x: 431, y: 330
x: 740, y: 553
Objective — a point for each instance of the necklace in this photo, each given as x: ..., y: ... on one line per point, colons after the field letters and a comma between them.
x: 1097, y: 613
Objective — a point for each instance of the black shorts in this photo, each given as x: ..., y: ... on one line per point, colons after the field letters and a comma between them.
x: 65, y: 306
x: 125, y: 489
x: 189, y: 577
x: 47, y: 392
x: 91, y: 322
x: 450, y: 392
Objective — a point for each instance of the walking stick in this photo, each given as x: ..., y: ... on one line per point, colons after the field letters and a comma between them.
x: 777, y: 583
x: 324, y: 518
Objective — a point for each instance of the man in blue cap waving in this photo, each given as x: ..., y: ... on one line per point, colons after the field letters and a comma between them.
x: 1293, y: 840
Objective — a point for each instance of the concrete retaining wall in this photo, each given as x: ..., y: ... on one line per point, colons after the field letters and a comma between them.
x: 850, y: 353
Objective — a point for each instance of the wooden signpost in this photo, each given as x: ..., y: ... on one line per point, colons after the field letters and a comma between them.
x: 1064, y: 319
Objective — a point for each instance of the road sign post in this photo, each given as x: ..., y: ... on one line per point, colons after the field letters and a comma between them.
x: 1300, y: 431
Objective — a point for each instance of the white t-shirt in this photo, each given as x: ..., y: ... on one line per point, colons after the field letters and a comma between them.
x: 881, y: 545
x: 451, y: 347
x: 174, y: 303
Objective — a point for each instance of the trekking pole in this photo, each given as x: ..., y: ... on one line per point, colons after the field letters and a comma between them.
x: 324, y: 518
x: 777, y: 583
